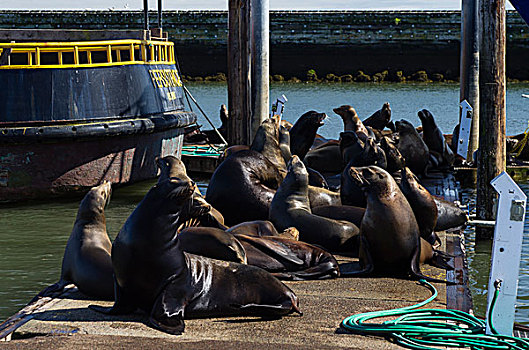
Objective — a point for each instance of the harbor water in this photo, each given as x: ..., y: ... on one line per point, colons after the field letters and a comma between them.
x: 33, y: 235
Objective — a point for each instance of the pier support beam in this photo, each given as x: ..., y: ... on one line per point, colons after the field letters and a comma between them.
x: 491, y: 152
x: 260, y: 62
x: 469, y: 67
x: 239, y: 104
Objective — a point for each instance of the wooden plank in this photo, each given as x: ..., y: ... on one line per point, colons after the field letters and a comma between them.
x: 22, y: 35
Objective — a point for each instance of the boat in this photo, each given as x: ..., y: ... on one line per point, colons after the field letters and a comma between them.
x: 74, y: 113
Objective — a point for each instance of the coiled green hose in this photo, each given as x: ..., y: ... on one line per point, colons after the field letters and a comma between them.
x: 416, y: 328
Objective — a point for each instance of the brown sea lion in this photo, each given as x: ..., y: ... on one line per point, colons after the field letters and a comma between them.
x: 325, y: 158
x: 352, y: 122
x: 422, y: 204
x: 86, y: 261
x: 154, y: 275
x: 303, y: 132
x: 412, y: 147
x: 380, y: 119
x: 266, y: 142
x: 389, y: 234
x: 290, y: 207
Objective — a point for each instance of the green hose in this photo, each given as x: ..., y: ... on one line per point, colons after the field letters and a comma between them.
x: 424, y: 328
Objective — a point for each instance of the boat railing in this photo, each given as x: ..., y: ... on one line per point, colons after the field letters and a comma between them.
x: 85, y: 53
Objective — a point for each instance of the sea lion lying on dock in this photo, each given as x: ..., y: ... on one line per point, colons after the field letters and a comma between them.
x: 86, y: 261
x: 154, y: 275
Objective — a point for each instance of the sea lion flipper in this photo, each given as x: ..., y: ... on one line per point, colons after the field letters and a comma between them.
x: 168, y: 310
x: 121, y: 305
x: 266, y: 310
x: 275, y: 249
x: 51, y: 291
x: 325, y: 270
x: 440, y: 260
x: 416, y: 271
x: 363, y: 267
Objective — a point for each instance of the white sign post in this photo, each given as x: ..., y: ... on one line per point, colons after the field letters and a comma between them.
x: 506, y: 252
x: 464, y: 129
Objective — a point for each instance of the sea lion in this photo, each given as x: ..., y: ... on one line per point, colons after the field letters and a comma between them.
x: 86, y: 261
x: 153, y: 274
x: 171, y: 166
x: 358, y: 153
x: 243, y: 186
x: 303, y: 132
x: 434, y: 139
x: 390, y: 240
x: 412, y: 147
x: 325, y: 158
x: 289, y: 259
x: 422, y: 204
x: 266, y: 142
x: 395, y: 160
x: 380, y: 119
x: 350, y: 192
x: 434, y: 257
x: 449, y: 215
x: 352, y: 122
x: 262, y: 228
x: 290, y: 207
x: 212, y: 243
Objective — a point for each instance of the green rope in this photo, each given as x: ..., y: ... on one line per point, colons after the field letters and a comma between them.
x: 201, y: 151
x: 423, y: 329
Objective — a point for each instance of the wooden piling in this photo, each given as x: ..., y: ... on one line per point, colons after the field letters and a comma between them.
x: 491, y: 153
x: 260, y: 62
x: 239, y: 109
x: 469, y: 67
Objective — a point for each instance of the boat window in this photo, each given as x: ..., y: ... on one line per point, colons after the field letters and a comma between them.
x: 99, y: 57
x: 83, y: 57
x: 125, y: 55
x: 19, y: 59
x: 49, y: 58
x: 67, y: 58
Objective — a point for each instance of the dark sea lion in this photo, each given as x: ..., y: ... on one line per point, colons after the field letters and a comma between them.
x: 232, y: 150
x: 352, y: 122
x: 350, y: 192
x: 153, y: 274
x: 86, y: 261
x: 213, y: 243
x: 320, y: 196
x: 171, y: 166
x: 303, y: 132
x: 325, y: 158
x: 422, y: 204
x: 351, y: 147
x: 380, y: 119
x: 212, y: 135
x: 284, y: 143
x: 290, y: 207
x: 412, y: 147
x: 395, y: 160
x: 266, y: 142
x: 243, y: 186
x: 449, y: 215
x: 289, y: 259
x: 434, y: 139
x: 434, y: 257
x: 262, y: 228
x: 389, y: 234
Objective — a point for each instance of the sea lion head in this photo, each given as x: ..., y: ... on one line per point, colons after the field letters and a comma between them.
x: 297, y: 175
x: 345, y: 111
x: 95, y: 201
x: 373, y: 179
x: 313, y: 119
x: 409, y: 181
x: 405, y: 127
x: 170, y: 166
x: 352, y: 121
x: 426, y: 117
x: 224, y: 116
x: 385, y: 111
x: 267, y: 133
x: 177, y: 199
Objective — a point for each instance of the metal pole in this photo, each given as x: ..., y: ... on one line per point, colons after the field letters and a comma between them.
x: 160, y: 14
x: 491, y: 152
x: 260, y: 62
x: 146, y: 14
x: 469, y: 67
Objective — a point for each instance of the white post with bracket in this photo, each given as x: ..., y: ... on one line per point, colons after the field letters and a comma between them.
x: 506, y: 252
x: 464, y: 129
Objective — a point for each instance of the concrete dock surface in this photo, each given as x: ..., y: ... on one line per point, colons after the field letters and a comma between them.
x: 66, y: 322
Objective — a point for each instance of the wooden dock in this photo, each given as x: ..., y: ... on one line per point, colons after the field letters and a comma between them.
x: 325, y: 304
